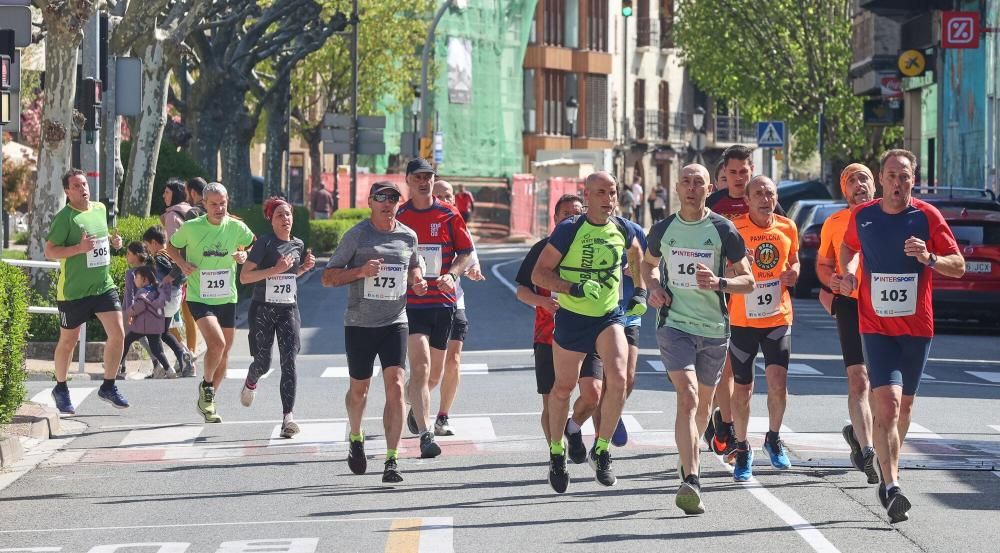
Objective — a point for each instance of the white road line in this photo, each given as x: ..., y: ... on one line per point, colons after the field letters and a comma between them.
x: 925, y: 376
x: 436, y: 535
x: 631, y: 424
x: 170, y: 436
x: 503, y: 280
x: 657, y: 365
x: 76, y: 396
x: 241, y: 374
x: 988, y: 376
x: 759, y: 425
x: 342, y: 372
x: 475, y: 368
x: 795, y: 369
x: 311, y: 433
x: 478, y: 428
x: 918, y: 431
x: 197, y: 525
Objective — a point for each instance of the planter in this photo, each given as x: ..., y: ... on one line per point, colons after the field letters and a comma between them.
x: 95, y: 351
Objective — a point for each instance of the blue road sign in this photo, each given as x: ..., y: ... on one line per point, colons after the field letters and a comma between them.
x: 771, y: 134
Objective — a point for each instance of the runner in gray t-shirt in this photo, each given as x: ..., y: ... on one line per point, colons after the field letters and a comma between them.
x: 377, y: 258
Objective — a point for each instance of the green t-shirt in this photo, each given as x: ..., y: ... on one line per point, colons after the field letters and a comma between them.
x: 210, y: 248
x: 681, y: 245
x: 85, y: 274
x: 591, y: 252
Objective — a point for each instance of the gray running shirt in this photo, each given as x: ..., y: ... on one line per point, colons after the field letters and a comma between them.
x: 370, y: 301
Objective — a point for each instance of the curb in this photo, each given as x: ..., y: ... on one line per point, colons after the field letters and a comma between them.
x: 34, y: 421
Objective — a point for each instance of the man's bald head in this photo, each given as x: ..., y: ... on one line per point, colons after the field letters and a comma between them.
x: 599, y: 178
x: 760, y: 181
x: 696, y: 169
x: 443, y: 191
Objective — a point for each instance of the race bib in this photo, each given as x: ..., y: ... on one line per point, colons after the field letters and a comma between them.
x: 215, y: 283
x: 765, y: 300
x: 431, y: 254
x: 388, y: 284
x: 682, y: 265
x: 281, y: 288
x: 894, y: 294
x: 100, y: 254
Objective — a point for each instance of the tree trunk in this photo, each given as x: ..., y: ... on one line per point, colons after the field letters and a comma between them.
x: 64, y: 22
x: 235, y: 152
x: 146, y: 137
x: 277, y: 137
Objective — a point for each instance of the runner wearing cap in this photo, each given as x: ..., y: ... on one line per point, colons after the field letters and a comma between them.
x: 903, y: 241
x: 274, y: 265
x: 858, y: 186
x: 445, y: 246
x: 377, y: 258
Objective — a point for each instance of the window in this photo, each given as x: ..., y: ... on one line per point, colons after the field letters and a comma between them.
x: 664, y: 105
x: 529, y: 100
x: 639, y: 108
x: 666, y: 23
x: 597, y: 25
x: 555, y: 99
x: 555, y: 22
x: 597, y: 106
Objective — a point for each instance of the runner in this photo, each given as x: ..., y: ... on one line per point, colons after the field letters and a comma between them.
x: 450, y: 377
x: 546, y: 304
x: 78, y: 238
x: 582, y: 263
x: 858, y: 186
x: 693, y: 321
x: 721, y: 182
x: 465, y: 203
x: 903, y: 241
x: 213, y: 245
x: 762, y: 320
x: 372, y: 257
x: 730, y: 203
x: 274, y: 265
x: 446, y: 247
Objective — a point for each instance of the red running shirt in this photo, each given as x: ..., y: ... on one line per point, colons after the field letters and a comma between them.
x: 441, y: 235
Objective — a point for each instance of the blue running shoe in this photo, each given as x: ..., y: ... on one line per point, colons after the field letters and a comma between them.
x: 620, y: 436
x: 778, y: 454
x: 63, y: 403
x: 113, y: 396
x: 743, y: 469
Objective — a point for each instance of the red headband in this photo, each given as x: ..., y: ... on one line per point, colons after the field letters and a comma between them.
x: 271, y: 204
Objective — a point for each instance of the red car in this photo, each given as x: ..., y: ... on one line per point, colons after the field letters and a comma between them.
x: 977, y: 294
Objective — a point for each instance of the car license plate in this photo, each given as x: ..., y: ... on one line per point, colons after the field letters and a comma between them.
x: 978, y: 267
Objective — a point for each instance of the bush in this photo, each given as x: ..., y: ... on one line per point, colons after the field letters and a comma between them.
x: 14, y: 254
x: 45, y: 328
x: 21, y: 238
x: 170, y: 163
x: 326, y: 233
x: 131, y: 229
x: 253, y: 216
x: 14, y: 322
x: 352, y: 213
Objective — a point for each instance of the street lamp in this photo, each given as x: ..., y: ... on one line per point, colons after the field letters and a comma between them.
x: 415, y: 111
x: 572, y: 110
x: 698, y: 118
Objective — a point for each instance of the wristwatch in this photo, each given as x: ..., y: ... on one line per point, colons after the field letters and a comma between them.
x: 723, y: 283
x: 932, y: 261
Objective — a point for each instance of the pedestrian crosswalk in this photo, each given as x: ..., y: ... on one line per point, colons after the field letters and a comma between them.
x: 76, y: 395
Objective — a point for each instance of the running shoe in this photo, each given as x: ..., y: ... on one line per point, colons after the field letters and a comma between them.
x: 441, y: 426
x: 620, y: 436
x: 63, y: 403
x: 577, y: 449
x: 428, y: 448
x: 558, y: 473
x: 743, y: 469
x: 247, y: 394
x: 857, y: 458
x: 169, y: 373
x: 602, y: 466
x: 869, y: 465
x: 289, y: 428
x: 206, y: 404
x: 411, y: 423
x: 122, y: 374
x: 710, y: 430
x: 356, y: 459
x: 778, y: 454
x: 110, y: 394
x: 689, y: 496
x: 729, y: 451
x: 883, y: 497
x: 897, y: 506
x: 390, y: 474
x: 187, y: 365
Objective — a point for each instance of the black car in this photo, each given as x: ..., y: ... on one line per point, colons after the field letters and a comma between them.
x: 968, y: 198
x: 791, y: 191
x: 809, y: 232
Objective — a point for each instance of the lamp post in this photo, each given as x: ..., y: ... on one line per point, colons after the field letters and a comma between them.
x: 572, y: 110
x: 698, y: 118
x: 415, y: 111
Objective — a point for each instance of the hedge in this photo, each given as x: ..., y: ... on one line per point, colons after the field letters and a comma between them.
x: 253, y: 216
x: 170, y: 163
x: 352, y: 213
x: 14, y: 322
x: 326, y: 233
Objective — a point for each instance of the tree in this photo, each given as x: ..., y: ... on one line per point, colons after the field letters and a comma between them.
x: 779, y: 59
x: 63, y: 21
x: 387, y: 67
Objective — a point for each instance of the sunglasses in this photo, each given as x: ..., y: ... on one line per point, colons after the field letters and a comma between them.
x: 385, y: 197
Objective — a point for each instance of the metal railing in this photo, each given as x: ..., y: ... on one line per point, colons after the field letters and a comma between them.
x: 40, y: 310
x: 731, y: 128
x: 647, y: 32
x: 666, y: 32
x: 659, y: 125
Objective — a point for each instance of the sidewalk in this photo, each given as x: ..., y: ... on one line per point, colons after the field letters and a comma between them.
x: 31, y: 422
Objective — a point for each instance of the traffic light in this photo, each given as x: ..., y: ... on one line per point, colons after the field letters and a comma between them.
x: 91, y: 103
x: 627, y: 8
x: 6, y: 56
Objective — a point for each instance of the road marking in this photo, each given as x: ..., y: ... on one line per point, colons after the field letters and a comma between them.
x: 475, y: 368
x: 342, y: 372
x: 796, y: 369
x: 477, y: 429
x: 993, y: 377
x: 657, y: 365
x: 503, y: 280
x: 169, y: 436
x: 404, y: 536
x: 310, y: 433
x: 76, y: 396
x: 918, y: 431
x: 436, y: 535
x: 926, y: 376
x: 198, y: 525
x: 761, y: 425
x: 241, y: 374
x: 631, y: 424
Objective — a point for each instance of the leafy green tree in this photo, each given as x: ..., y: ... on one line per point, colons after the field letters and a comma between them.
x: 779, y: 60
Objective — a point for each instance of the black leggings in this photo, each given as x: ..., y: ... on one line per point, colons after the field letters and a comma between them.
x: 155, y: 346
x: 266, y: 321
x: 171, y: 341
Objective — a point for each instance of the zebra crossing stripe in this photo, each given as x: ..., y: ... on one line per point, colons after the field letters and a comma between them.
x: 76, y: 396
x: 797, y: 369
x: 657, y: 365
x: 311, y: 433
x: 241, y: 374
x: 342, y: 372
x: 760, y: 425
x: 416, y: 535
x: 475, y: 368
x: 918, y: 431
x: 631, y: 424
x: 993, y: 377
x: 478, y: 429
x: 170, y: 436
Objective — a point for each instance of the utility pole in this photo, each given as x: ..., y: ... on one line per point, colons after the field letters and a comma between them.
x: 626, y: 13
x: 90, y: 154
x: 425, y: 112
x: 354, y: 102
x: 111, y: 143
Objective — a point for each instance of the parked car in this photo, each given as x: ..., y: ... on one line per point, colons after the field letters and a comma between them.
x: 809, y: 230
x: 969, y: 198
x: 977, y: 294
x: 801, y: 210
x: 791, y: 191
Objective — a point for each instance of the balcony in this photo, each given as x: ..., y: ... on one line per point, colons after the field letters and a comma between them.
x: 666, y: 33
x: 902, y: 10
x: 653, y: 125
x: 732, y: 129
x: 647, y: 32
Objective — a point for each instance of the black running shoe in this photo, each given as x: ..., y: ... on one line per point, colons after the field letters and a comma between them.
x: 577, y: 449
x: 391, y: 473
x: 883, y: 497
x: 558, y: 473
x: 428, y: 448
x: 689, y: 496
x: 602, y: 466
x: 857, y: 458
x: 356, y: 459
x: 411, y: 423
x: 869, y: 465
x: 897, y: 506
x: 710, y: 430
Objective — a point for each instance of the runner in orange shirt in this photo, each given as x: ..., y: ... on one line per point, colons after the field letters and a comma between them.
x: 762, y: 320
x: 858, y: 185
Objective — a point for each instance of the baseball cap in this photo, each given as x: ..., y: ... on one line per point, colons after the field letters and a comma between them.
x: 383, y: 186
x: 418, y: 165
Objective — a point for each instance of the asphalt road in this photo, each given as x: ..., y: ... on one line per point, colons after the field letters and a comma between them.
x: 155, y: 474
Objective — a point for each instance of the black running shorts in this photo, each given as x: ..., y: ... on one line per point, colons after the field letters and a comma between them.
x: 363, y: 344
x: 73, y: 313
x: 434, y: 322
x: 775, y: 342
x: 545, y: 370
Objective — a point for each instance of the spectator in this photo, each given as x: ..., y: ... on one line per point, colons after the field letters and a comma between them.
x: 659, y: 203
x: 465, y: 203
x: 720, y: 176
x: 195, y: 187
x: 175, y: 198
x: 637, y: 194
x: 626, y: 203
x: 321, y: 203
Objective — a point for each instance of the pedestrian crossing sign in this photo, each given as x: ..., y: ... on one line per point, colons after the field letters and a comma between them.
x: 771, y: 134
